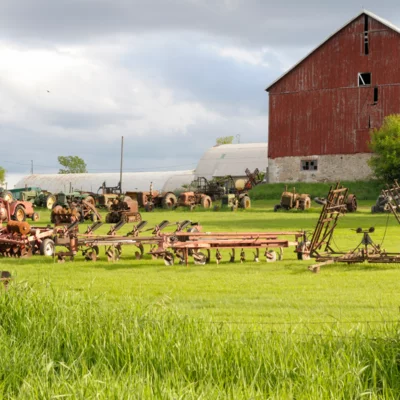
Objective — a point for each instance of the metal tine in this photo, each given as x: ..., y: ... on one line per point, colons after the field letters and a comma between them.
x: 72, y: 226
x: 93, y: 227
x: 182, y: 225
x: 116, y: 227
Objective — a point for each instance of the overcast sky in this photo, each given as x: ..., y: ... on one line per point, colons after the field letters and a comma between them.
x: 169, y: 75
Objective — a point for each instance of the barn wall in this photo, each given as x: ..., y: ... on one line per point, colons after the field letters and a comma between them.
x: 331, y: 168
x: 318, y: 108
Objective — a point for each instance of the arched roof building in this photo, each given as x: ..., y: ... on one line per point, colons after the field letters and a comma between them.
x: 233, y: 159
x: 218, y: 161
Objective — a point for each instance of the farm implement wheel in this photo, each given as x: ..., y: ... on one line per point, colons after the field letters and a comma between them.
x: 47, y: 247
x: 113, y: 253
x: 199, y: 258
x: 168, y: 259
x: 19, y: 214
x: 270, y: 256
x: 35, y: 217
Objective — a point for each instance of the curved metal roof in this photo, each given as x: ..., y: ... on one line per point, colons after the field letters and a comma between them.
x: 232, y: 159
x: 131, y: 181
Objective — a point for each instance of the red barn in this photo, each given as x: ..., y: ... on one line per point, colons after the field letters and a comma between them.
x: 322, y: 110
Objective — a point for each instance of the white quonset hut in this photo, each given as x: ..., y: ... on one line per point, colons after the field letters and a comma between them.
x: 131, y: 181
x: 219, y: 161
x: 233, y: 159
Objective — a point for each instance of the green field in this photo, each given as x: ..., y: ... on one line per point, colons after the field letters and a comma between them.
x: 140, y: 329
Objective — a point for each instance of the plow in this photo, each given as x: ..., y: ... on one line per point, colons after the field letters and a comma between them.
x: 186, y: 241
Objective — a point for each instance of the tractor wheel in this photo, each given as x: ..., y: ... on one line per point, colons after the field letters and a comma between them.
x: 35, y: 217
x: 277, y: 207
x: 149, y: 207
x: 50, y: 201
x: 305, y: 204
x: 245, y: 202
x: 19, y: 214
x: 47, y: 247
x: 206, y: 202
x: 351, y: 203
x: 169, y: 201
x: 7, y: 196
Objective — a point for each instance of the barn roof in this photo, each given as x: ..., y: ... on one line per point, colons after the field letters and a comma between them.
x: 364, y: 12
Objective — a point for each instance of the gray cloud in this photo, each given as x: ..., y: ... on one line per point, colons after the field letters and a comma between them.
x: 248, y: 22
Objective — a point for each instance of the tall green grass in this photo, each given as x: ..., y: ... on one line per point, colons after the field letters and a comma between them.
x: 364, y: 190
x: 60, y: 345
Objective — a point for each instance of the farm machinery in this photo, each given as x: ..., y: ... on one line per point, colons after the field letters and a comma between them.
x: 123, y: 209
x: 301, y: 201
x: 320, y: 244
x: 19, y: 239
x: 17, y: 210
x: 107, y: 196
x: 154, y: 199
x: 233, y: 193
x: 67, y: 211
x: 185, y: 241
x: 37, y: 196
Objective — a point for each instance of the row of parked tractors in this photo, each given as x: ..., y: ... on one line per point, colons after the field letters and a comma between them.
x: 18, y: 204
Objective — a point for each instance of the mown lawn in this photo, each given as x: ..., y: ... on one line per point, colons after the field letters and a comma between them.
x: 263, y: 292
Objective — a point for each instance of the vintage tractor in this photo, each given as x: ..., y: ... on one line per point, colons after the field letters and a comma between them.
x: 107, y: 196
x: 293, y: 200
x: 45, y: 199
x: 79, y: 210
x: 17, y: 210
x: 123, y: 209
x: 37, y: 196
x: 154, y: 199
x: 193, y: 199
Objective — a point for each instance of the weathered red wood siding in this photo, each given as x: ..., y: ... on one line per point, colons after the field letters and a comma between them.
x: 318, y: 108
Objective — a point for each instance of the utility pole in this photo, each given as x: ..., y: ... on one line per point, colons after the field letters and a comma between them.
x: 120, y: 170
x: 31, y: 167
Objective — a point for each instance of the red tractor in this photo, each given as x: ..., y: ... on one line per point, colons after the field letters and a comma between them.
x: 17, y: 211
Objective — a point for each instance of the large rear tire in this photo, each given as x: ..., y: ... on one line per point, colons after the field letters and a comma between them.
x: 50, y: 201
x: 206, y: 202
x: 169, y: 201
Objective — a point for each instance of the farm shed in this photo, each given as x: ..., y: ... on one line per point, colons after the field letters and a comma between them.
x: 232, y: 159
x: 322, y: 110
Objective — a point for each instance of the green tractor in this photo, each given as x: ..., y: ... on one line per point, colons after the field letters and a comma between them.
x: 35, y: 195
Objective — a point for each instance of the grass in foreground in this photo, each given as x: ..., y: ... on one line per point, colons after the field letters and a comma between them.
x: 138, y: 329
x: 59, y: 345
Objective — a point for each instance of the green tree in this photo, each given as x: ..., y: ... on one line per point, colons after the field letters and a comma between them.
x: 225, y: 140
x: 385, y: 143
x: 72, y: 164
x: 2, y: 175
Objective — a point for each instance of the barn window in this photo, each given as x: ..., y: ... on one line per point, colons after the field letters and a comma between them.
x: 309, y: 165
x: 375, y: 95
x: 364, y: 79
